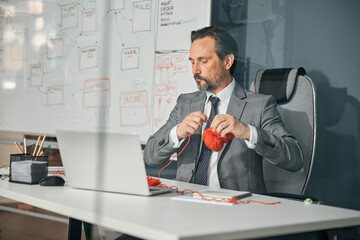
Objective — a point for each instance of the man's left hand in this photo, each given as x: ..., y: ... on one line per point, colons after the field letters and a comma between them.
x: 226, y: 123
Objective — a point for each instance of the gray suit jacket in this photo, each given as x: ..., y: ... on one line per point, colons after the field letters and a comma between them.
x: 239, y: 167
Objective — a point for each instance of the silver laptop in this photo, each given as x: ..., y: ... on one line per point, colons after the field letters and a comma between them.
x: 111, y: 162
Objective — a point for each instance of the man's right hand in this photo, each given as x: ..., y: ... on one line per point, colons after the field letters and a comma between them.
x: 190, y: 124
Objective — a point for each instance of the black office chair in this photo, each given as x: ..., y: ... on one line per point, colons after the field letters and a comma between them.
x: 296, y: 98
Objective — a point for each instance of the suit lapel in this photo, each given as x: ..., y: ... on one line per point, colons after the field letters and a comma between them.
x: 235, y: 108
x: 237, y: 102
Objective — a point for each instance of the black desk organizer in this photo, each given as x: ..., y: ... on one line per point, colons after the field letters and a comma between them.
x: 38, y: 169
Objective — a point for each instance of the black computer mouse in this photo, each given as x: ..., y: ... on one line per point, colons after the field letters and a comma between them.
x: 52, y: 180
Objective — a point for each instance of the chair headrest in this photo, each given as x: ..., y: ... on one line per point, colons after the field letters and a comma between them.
x: 278, y: 82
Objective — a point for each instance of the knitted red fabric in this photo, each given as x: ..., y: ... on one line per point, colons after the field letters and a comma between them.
x: 214, y: 141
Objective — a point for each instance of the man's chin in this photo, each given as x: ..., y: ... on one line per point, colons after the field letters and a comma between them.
x: 202, y: 85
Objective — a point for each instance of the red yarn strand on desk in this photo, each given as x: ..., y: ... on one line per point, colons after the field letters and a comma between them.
x: 216, y: 199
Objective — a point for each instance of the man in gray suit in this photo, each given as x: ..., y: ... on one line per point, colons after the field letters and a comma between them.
x: 252, y: 118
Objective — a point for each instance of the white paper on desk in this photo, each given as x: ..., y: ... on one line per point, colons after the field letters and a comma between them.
x: 215, y: 193
x: 190, y: 198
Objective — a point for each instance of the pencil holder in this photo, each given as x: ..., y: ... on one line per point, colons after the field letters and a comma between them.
x: 25, y: 168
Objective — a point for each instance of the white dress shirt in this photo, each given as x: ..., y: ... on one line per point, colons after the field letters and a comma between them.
x: 224, y: 96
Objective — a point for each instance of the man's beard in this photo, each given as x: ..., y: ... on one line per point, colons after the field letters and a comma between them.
x: 208, y: 86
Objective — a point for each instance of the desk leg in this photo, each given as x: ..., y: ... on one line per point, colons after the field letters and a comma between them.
x: 74, y: 232
x: 75, y: 228
x: 91, y: 231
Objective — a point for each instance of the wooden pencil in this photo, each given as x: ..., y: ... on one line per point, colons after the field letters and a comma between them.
x: 18, y: 147
x: 25, y: 148
x: 42, y: 142
x: 37, y: 142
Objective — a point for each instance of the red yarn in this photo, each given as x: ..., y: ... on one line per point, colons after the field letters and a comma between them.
x: 214, y: 140
x: 156, y: 182
x: 153, y: 181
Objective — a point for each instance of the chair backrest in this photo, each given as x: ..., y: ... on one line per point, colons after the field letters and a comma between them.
x: 295, y: 95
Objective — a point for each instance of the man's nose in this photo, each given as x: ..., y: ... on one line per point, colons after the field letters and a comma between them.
x: 196, y: 68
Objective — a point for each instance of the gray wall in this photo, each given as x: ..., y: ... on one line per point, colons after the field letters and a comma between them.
x: 323, y: 36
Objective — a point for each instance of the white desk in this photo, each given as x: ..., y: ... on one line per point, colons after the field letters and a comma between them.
x: 160, y: 217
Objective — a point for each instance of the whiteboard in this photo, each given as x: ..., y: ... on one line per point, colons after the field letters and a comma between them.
x: 176, y: 20
x: 92, y: 65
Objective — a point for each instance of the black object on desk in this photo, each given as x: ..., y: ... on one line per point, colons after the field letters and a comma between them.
x: 26, y: 168
x: 52, y: 181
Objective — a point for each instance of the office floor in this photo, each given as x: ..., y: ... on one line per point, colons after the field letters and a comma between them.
x: 15, y: 226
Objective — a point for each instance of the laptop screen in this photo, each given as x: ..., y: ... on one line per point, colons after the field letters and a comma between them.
x: 110, y: 162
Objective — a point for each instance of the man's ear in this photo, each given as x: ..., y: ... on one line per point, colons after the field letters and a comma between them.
x: 229, y: 60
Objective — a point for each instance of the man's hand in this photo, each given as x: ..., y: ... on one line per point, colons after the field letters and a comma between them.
x: 190, y: 124
x: 226, y: 123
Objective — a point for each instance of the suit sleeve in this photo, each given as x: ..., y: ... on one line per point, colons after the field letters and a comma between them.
x: 274, y: 143
x: 159, y: 147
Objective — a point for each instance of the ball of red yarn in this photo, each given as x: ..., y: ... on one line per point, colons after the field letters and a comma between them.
x: 214, y: 140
